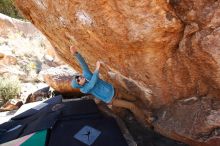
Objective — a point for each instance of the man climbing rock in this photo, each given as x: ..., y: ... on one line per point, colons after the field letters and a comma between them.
x: 90, y: 83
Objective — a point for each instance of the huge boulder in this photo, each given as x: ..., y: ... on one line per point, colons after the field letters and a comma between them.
x: 160, y: 51
x: 133, y: 39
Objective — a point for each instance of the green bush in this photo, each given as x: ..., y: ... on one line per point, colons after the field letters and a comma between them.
x: 7, y: 8
x: 9, y: 88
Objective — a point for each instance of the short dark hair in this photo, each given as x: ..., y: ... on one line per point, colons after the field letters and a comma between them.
x: 77, y: 78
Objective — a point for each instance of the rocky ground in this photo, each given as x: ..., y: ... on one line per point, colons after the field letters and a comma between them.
x: 27, y: 56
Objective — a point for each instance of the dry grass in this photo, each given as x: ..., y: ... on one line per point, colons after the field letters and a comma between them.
x: 9, y: 88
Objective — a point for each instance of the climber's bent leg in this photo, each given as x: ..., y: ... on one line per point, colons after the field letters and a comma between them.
x: 123, y: 95
x: 133, y: 108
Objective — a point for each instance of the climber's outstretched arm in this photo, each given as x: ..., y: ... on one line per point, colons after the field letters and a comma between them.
x: 80, y: 60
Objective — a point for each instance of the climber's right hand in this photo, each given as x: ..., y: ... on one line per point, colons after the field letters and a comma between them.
x: 73, y: 49
x: 98, y: 64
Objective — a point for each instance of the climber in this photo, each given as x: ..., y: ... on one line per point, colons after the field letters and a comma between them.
x: 90, y: 83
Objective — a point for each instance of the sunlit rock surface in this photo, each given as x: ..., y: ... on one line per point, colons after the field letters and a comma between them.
x: 24, y: 54
x: 24, y: 51
x: 160, y: 51
x: 59, y: 78
x: 134, y: 39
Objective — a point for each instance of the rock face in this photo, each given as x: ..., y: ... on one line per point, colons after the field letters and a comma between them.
x: 136, y: 38
x: 159, y: 51
x: 193, y: 119
x: 59, y: 78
